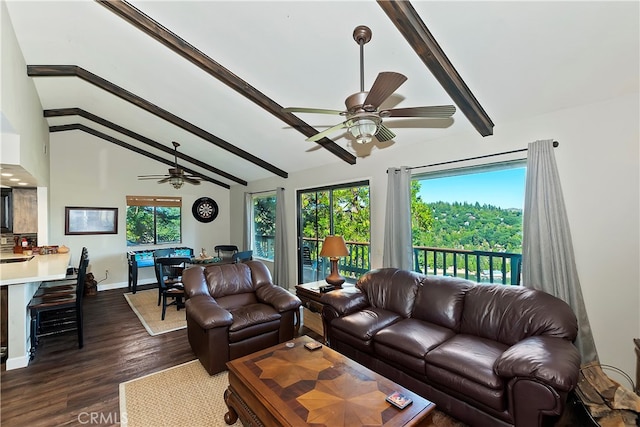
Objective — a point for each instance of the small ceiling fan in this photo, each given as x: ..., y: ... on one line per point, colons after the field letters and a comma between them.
x: 176, y: 175
x: 363, y: 120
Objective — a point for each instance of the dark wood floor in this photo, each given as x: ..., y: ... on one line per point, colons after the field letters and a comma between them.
x: 65, y: 386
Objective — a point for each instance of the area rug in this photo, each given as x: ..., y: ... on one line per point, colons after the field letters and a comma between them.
x: 145, y: 305
x: 186, y: 395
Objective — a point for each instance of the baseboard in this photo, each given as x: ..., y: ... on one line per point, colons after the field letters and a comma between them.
x: 17, y: 362
x: 120, y: 285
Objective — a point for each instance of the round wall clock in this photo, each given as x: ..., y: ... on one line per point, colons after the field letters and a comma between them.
x: 205, y: 209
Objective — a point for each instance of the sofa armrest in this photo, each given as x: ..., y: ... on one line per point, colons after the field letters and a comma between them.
x: 281, y: 299
x: 550, y: 360
x: 207, y: 313
x: 345, y: 301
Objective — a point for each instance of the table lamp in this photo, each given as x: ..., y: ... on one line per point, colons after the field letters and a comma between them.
x: 334, y: 247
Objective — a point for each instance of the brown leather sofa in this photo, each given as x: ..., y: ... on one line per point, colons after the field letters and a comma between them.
x: 234, y: 310
x: 488, y: 355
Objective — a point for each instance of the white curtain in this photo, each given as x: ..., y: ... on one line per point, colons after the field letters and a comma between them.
x: 547, y: 250
x: 281, y: 254
x: 247, y: 225
x: 398, y: 246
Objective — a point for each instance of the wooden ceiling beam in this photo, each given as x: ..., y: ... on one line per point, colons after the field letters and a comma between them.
x: 409, y: 23
x: 63, y: 112
x: 183, y: 48
x: 87, y: 129
x: 76, y: 71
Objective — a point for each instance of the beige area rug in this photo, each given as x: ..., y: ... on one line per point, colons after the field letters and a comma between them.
x: 186, y: 395
x: 145, y: 305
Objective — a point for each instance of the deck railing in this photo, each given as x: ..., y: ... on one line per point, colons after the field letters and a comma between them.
x: 350, y: 267
x: 479, y: 266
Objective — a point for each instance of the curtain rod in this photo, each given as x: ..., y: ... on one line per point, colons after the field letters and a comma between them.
x: 264, y: 191
x: 555, y: 144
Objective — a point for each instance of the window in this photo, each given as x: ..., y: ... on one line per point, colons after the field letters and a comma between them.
x: 468, y: 222
x: 342, y: 210
x: 264, y: 226
x: 153, y: 220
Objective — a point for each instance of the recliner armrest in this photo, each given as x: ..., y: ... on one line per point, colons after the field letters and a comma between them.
x: 551, y: 360
x: 281, y: 299
x: 207, y: 313
x: 345, y: 301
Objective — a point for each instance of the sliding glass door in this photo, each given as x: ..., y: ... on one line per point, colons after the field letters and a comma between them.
x: 335, y: 210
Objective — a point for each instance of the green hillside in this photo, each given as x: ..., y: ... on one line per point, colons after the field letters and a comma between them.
x: 467, y: 226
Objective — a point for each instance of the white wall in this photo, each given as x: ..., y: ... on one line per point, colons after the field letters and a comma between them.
x: 22, y: 121
x: 598, y: 161
x: 90, y: 172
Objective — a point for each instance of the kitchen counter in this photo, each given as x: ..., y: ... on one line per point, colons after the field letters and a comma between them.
x: 39, y: 269
x: 22, y: 280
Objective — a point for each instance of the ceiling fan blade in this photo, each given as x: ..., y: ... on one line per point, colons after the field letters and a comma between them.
x: 318, y: 136
x: 191, y: 180
x: 150, y: 176
x: 386, y: 83
x: 163, y: 180
x: 384, y: 134
x: 436, y: 111
x: 310, y: 110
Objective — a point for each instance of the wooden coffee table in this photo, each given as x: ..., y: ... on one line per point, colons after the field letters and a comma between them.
x: 292, y: 386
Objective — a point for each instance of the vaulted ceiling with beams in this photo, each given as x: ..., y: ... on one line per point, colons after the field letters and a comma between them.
x: 214, y: 75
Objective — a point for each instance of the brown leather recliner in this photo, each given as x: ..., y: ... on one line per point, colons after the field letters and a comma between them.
x: 234, y: 310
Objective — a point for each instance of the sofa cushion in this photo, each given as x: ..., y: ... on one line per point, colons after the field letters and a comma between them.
x: 467, y: 390
x: 406, y: 342
x: 440, y: 300
x: 391, y: 289
x: 228, y: 279
x: 230, y: 302
x: 264, y: 316
x: 509, y: 314
x: 469, y: 357
x: 364, y: 324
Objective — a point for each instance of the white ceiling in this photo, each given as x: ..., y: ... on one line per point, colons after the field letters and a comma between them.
x: 520, y: 59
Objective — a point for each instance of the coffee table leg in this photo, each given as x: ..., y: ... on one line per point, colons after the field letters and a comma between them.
x: 231, y: 416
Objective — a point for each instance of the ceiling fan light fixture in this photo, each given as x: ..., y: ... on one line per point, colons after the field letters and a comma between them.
x: 363, y: 130
x: 176, y: 181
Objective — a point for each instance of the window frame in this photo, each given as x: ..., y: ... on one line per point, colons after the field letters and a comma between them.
x: 515, y: 261
x: 299, y: 218
x: 154, y: 202
x: 253, y: 242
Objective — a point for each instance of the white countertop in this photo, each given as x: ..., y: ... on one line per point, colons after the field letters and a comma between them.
x: 38, y: 269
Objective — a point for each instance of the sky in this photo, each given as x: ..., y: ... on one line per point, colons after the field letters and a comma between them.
x: 502, y: 188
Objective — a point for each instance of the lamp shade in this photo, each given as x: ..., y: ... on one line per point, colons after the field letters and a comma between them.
x: 334, y: 247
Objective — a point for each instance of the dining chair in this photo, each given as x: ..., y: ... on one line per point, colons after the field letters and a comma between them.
x: 225, y: 252
x: 170, y: 287
x: 132, y: 264
x: 57, y: 313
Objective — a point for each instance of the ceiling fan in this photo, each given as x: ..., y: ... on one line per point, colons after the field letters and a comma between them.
x: 363, y: 120
x: 176, y: 175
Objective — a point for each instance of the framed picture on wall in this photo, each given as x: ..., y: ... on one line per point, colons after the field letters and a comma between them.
x: 90, y: 220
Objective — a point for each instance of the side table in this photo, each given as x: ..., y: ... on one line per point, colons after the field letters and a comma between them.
x: 309, y: 294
